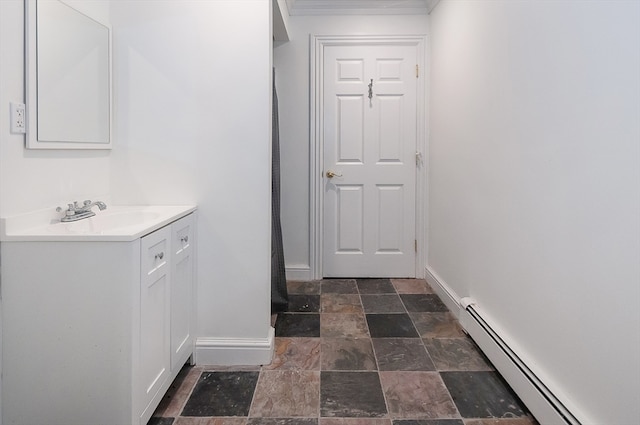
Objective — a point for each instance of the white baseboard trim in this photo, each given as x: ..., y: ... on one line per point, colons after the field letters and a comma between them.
x: 235, y: 351
x: 540, y: 400
x: 300, y: 273
x: 513, y: 367
x: 446, y: 294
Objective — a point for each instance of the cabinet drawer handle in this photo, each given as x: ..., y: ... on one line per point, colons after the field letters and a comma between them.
x: 185, y: 239
x: 160, y: 256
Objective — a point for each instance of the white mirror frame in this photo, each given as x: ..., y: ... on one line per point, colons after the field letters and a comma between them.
x: 31, y: 94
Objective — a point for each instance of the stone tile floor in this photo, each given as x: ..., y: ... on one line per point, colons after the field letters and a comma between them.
x: 353, y: 352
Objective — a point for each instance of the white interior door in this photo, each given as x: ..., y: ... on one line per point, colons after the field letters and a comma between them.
x: 369, y: 140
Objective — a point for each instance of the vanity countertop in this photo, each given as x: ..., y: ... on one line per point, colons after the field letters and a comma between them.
x: 118, y: 223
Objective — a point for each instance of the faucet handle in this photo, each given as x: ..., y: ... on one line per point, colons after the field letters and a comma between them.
x: 69, y: 211
x: 87, y: 202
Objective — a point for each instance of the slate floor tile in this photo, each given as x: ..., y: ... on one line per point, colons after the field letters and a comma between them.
x: 161, y: 421
x: 411, y: 286
x: 336, y: 325
x: 298, y: 325
x: 391, y: 326
x: 482, y: 395
x: 340, y: 303
x: 303, y: 287
x: 423, y: 303
x: 401, y: 354
x: 375, y: 286
x: 283, y: 421
x: 234, y: 368
x: 339, y: 286
x: 417, y: 395
x: 185, y: 420
x: 222, y: 394
x: 304, y: 303
x: 351, y: 394
x: 429, y: 422
x: 456, y: 354
x: 437, y: 325
x: 286, y: 393
x: 382, y: 303
x: 527, y: 420
x: 175, y: 398
x: 354, y: 421
x: 372, y: 352
x: 296, y: 353
x: 347, y: 354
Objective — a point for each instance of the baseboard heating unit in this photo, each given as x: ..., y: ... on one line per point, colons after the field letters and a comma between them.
x: 542, y: 403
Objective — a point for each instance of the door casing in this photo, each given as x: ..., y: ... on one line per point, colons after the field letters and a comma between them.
x: 316, y: 166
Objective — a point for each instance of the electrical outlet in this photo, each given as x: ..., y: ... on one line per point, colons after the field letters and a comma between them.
x: 18, y: 118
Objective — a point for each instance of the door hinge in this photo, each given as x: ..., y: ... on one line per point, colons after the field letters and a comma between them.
x: 415, y: 245
x: 417, y: 70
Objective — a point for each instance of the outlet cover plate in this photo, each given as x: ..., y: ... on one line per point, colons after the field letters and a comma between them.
x: 18, y: 117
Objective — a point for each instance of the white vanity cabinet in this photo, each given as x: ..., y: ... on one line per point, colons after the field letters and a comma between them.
x: 166, y: 300
x: 95, y: 331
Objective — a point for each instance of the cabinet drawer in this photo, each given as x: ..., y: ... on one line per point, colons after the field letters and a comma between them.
x: 183, y: 236
x: 156, y: 251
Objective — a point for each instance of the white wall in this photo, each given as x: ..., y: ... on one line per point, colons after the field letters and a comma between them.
x: 292, y: 81
x: 534, y: 186
x: 193, y: 125
x: 31, y: 180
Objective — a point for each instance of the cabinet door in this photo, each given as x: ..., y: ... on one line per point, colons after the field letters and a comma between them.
x: 182, y: 240
x: 155, y: 292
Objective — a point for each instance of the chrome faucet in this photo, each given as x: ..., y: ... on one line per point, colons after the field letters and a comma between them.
x: 75, y: 212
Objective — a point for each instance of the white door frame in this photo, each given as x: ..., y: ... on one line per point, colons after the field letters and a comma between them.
x: 316, y: 165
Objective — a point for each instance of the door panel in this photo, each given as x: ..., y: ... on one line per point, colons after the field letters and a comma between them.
x: 350, y: 218
x: 369, y: 138
x: 389, y: 136
x: 350, y: 70
x: 349, y: 129
x: 390, y: 218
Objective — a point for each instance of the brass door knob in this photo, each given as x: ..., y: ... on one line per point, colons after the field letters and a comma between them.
x: 331, y: 174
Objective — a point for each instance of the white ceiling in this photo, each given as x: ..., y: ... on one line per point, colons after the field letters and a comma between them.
x: 360, y: 7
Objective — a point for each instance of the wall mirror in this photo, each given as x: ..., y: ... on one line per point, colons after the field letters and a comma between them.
x: 68, y: 78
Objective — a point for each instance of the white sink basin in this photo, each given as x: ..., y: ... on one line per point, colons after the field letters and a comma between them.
x: 116, y: 223
x: 106, y: 221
